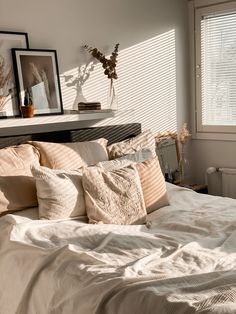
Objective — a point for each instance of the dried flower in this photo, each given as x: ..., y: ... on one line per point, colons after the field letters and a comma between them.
x: 184, y: 134
x: 5, y: 77
x: 108, y: 64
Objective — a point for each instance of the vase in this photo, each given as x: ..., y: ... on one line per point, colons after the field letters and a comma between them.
x: 112, y: 99
x: 183, y: 167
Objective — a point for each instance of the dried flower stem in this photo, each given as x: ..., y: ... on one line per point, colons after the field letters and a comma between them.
x: 184, y: 134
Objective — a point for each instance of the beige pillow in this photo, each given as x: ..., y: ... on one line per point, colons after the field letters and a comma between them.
x: 139, y: 142
x: 153, y: 184
x: 60, y: 193
x: 17, y: 186
x: 70, y: 156
x: 113, y: 197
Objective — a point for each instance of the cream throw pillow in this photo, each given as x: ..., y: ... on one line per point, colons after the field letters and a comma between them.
x: 113, y: 197
x: 60, y: 193
x: 17, y: 186
x: 70, y: 156
x: 137, y: 143
x: 153, y: 184
x: 152, y: 179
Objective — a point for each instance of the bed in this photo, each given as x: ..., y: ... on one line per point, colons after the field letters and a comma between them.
x: 181, y: 260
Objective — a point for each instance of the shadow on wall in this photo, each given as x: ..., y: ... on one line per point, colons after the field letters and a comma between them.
x: 146, y: 84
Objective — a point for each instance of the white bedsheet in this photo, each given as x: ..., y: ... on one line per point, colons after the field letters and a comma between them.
x: 185, y: 262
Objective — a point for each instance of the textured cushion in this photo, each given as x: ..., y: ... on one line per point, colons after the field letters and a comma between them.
x: 70, y: 156
x: 60, y: 193
x: 139, y: 142
x: 113, y: 197
x: 17, y: 186
x: 153, y: 184
x: 126, y: 160
x: 151, y: 176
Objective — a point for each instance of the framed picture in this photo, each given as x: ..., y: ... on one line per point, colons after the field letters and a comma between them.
x: 8, y: 95
x: 36, y: 72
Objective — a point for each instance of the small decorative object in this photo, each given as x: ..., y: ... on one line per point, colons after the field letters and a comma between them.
x: 109, y: 66
x: 86, y: 106
x: 38, y: 70
x: 28, y: 109
x: 8, y: 96
x: 183, y: 162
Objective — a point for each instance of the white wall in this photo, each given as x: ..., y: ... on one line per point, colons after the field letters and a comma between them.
x: 153, y: 73
x: 207, y: 153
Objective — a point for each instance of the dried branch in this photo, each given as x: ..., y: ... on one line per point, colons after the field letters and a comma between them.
x: 109, y: 64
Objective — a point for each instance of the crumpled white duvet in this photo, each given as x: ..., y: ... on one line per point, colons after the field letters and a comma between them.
x: 185, y: 262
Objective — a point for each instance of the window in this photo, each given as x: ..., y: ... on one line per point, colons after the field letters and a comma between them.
x: 215, y: 68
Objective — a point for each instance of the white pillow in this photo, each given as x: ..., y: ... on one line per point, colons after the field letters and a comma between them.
x: 113, y: 197
x: 60, y: 193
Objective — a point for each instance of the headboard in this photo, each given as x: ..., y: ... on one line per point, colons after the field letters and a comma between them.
x: 113, y: 133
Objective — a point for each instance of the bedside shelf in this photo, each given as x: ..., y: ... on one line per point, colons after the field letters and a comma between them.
x: 17, y: 126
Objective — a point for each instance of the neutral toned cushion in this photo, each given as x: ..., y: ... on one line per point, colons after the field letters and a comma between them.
x: 153, y: 184
x: 139, y: 142
x: 126, y: 160
x: 17, y: 186
x: 113, y: 197
x: 60, y: 193
x: 70, y: 156
x: 151, y: 176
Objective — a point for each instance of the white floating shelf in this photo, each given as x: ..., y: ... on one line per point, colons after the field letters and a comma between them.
x: 17, y: 126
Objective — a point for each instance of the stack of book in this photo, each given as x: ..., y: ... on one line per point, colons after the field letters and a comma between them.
x: 89, y: 106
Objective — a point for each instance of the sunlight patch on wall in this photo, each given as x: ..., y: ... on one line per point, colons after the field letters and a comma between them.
x: 146, y: 84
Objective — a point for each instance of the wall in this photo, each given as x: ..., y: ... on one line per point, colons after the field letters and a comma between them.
x: 209, y: 153
x: 152, y: 84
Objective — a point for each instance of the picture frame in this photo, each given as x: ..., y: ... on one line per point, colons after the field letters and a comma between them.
x: 36, y: 71
x: 8, y: 93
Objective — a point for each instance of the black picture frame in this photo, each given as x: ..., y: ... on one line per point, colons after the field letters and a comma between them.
x: 36, y: 70
x: 8, y: 92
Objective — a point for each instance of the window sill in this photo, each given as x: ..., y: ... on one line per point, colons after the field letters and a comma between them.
x: 214, y: 136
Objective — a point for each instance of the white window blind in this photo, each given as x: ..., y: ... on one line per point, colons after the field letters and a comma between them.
x: 218, y: 69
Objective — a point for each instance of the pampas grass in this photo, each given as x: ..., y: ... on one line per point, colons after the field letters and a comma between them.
x: 5, y: 77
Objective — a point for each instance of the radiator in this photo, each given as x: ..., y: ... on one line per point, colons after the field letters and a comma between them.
x: 221, y: 181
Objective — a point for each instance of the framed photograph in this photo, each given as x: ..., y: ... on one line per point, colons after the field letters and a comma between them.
x: 8, y: 94
x: 36, y: 72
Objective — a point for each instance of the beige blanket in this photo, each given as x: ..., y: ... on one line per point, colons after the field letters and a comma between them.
x: 184, y: 263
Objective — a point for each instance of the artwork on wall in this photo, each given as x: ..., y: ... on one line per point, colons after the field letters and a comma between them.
x: 8, y: 94
x: 37, y: 70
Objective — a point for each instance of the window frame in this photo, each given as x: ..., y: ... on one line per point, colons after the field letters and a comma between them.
x: 196, y: 11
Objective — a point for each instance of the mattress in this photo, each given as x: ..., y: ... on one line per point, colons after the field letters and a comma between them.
x: 182, y: 261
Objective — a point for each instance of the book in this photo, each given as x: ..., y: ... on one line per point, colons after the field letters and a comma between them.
x: 89, y: 105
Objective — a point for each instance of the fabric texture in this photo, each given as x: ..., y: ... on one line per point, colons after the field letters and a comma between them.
x: 69, y: 156
x: 184, y: 263
x: 113, y: 197
x: 60, y: 193
x: 152, y: 179
x: 126, y: 160
x: 153, y: 184
x: 139, y: 142
x: 17, y: 186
